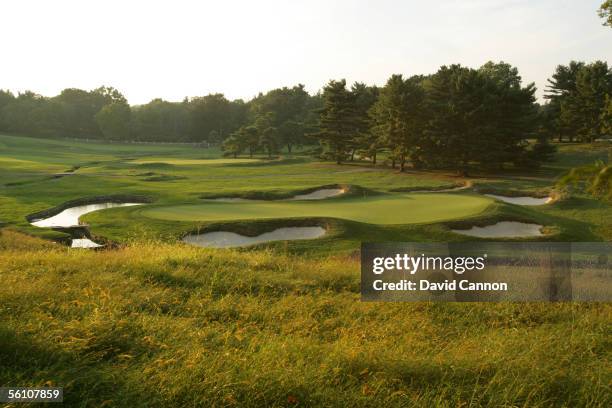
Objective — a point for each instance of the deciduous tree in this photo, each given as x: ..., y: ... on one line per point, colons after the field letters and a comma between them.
x: 114, y: 120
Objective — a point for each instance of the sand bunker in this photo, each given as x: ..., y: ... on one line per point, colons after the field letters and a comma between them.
x: 84, y: 243
x: 320, y: 194
x: 526, y: 200
x: 224, y: 239
x: 70, y: 216
x: 504, y: 229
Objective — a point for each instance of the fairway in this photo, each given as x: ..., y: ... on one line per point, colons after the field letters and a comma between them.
x: 190, y: 162
x: 384, y: 209
x: 174, y: 176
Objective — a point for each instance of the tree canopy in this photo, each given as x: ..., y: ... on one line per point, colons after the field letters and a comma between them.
x: 605, y: 12
x: 337, y: 121
x: 578, y: 95
x: 458, y: 118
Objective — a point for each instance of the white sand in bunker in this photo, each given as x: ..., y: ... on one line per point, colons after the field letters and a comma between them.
x: 70, y: 216
x: 526, y: 200
x: 504, y: 229
x: 224, y: 239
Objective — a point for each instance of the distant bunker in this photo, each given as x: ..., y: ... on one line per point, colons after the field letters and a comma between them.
x: 504, y: 229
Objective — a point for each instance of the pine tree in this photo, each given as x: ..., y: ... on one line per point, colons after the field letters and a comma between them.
x: 365, y: 141
x: 233, y: 145
x: 578, y: 92
x: 593, y: 84
x: 480, y: 117
x: 337, y: 120
x: 457, y: 132
x: 399, y: 117
x: 606, y: 117
x: 245, y: 138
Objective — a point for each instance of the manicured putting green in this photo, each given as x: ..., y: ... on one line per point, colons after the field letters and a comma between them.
x: 384, y: 209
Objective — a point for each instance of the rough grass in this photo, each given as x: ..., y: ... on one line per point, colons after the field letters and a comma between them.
x: 155, y: 324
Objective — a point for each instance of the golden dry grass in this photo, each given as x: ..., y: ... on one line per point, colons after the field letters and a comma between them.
x: 169, y: 325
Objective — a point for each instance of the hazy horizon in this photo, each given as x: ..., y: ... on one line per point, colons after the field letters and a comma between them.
x: 153, y: 50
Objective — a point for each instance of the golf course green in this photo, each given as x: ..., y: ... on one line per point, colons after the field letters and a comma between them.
x: 149, y: 318
x: 399, y: 208
x: 41, y: 174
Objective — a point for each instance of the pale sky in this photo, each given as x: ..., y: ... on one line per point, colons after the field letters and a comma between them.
x: 173, y: 49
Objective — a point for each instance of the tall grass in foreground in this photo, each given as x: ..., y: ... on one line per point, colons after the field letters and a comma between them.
x: 171, y: 325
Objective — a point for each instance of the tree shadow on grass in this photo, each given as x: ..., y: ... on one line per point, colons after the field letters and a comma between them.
x: 26, y: 361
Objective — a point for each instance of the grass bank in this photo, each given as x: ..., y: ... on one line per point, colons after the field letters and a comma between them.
x: 156, y: 324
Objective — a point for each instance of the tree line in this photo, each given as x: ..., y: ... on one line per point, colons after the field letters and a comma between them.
x: 456, y: 118
x: 580, y: 101
x: 281, y: 118
x: 462, y: 117
x: 105, y: 114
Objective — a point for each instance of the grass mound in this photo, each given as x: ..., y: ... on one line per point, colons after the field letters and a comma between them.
x: 167, y: 162
x: 349, y: 190
x: 164, y: 177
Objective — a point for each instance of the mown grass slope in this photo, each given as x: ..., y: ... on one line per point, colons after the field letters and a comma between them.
x: 155, y: 324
